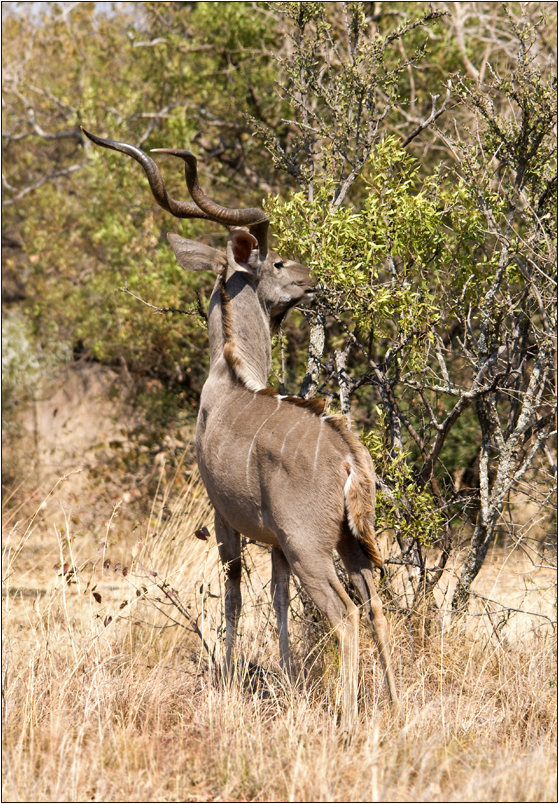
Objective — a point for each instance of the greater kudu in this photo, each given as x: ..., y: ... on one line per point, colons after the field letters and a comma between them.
x: 276, y: 468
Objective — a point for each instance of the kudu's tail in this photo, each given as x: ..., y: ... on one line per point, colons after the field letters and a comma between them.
x: 359, y: 492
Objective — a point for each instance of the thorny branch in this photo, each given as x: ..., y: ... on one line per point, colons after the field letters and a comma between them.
x: 199, y: 311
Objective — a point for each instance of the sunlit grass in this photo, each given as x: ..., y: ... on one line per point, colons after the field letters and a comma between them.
x: 110, y: 694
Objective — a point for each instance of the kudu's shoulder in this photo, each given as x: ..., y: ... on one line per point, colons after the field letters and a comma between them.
x: 316, y: 414
x: 315, y: 407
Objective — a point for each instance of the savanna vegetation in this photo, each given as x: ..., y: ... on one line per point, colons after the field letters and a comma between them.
x: 407, y: 153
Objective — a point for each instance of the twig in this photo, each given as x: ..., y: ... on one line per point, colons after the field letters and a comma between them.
x: 160, y: 309
x: 155, y: 118
x: 509, y: 608
x: 433, y: 116
x: 41, y: 181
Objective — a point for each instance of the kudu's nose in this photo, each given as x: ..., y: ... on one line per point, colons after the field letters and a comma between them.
x: 311, y: 286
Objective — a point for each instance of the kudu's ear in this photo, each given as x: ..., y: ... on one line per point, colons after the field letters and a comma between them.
x: 243, y: 253
x: 196, y: 256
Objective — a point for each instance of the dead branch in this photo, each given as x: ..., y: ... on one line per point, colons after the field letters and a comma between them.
x: 49, y: 177
x: 432, y: 117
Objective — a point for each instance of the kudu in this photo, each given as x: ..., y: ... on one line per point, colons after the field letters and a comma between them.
x: 276, y: 468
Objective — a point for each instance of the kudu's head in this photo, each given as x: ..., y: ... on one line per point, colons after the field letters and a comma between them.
x: 279, y: 284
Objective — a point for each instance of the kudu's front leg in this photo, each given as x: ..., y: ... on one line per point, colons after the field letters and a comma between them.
x: 280, y: 598
x: 229, y: 546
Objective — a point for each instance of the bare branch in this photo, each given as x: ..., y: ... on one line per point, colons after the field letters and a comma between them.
x: 155, y: 118
x: 433, y: 116
x: 343, y: 380
x: 54, y: 175
x: 159, y: 41
x: 160, y: 310
x: 316, y: 349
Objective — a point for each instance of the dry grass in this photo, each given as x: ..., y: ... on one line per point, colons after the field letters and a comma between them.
x: 102, y: 702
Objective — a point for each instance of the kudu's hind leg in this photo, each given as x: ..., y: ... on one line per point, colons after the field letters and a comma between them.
x: 360, y: 571
x: 322, y: 584
x: 229, y: 546
x: 280, y: 598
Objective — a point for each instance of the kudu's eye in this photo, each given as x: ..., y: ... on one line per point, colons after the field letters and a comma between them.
x: 278, y: 264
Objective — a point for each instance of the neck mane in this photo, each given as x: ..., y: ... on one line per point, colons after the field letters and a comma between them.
x: 239, y: 332
x: 237, y: 335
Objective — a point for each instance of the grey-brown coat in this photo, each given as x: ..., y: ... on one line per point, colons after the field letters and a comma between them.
x: 276, y: 468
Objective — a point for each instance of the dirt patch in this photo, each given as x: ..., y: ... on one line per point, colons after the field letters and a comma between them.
x: 81, y: 414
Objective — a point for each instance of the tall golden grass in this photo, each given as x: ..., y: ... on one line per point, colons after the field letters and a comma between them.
x: 112, y: 689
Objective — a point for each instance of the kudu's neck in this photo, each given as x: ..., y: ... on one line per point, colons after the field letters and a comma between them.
x: 239, y: 331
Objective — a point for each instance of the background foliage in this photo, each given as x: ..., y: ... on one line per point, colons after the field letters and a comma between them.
x: 405, y: 151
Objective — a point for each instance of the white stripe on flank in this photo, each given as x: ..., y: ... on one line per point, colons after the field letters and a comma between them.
x: 317, y: 446
x: 287, y: 436
x: 300, y: 442
x: 252, y: 445
x: 215, y: 420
